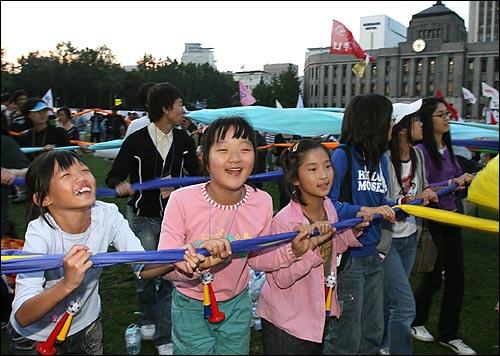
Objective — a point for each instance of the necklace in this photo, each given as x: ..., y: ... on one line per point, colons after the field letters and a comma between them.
x: 235, y: 207
x: 325, y: 248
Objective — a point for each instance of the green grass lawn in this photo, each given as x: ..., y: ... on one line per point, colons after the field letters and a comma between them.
x: 479, y: 320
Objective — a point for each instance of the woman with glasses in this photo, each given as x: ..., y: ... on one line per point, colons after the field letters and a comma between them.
x: 406, y: 183
x: 442, y: 169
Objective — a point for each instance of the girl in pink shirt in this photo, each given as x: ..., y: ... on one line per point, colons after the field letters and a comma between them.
x: 295, y: 300
x: 224, y: 207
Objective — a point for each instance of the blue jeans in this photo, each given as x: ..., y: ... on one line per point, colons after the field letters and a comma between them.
x: 85, y: 342
x: 399, y: 302
x: 360, y: 328
x: 155, y: 295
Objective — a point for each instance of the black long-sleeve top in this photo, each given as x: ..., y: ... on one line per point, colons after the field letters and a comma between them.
x: 139, y: 160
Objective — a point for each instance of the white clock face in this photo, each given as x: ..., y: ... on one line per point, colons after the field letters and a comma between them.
x: 418, y: 45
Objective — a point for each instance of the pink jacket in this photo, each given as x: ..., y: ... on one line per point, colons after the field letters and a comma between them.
x: 293, y: 298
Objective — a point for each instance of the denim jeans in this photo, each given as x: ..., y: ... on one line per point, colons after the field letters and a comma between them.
x: 399, y: 302
x: 154, y: 295
x: 85, y: 342
x: 450, y: 246
x: 360, y: 328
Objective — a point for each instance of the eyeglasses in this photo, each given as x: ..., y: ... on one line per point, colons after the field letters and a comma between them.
x: 443, y: 115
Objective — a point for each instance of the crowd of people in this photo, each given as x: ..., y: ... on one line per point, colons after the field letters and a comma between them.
x: 326, y: 292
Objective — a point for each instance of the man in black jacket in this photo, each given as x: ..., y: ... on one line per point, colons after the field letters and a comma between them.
x: 157, y: 151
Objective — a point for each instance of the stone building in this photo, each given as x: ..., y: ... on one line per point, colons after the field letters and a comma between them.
x: 435, y: 56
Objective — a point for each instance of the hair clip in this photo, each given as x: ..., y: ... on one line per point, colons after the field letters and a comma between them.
x: 295, y: 147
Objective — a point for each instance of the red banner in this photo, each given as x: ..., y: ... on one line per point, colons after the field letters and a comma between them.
x: 343, y: 42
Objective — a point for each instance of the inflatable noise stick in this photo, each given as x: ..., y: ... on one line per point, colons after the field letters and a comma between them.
x: 47, y: 347
x: 209, y: 301
x: 73, y: 308
x: 207, y: 311
x: 217, y: 316
x: 329, y: 285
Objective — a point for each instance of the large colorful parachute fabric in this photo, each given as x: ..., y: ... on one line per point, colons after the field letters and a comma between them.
x: 9, y: 243
x: 484, y: 187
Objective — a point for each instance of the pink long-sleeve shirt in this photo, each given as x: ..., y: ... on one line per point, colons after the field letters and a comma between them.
x: 293, y: 298
x: 191, y: 216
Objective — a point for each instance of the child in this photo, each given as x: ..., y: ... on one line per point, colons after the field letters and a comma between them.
x: 366, y: 130
x: 67, y: 219
x: 442, y: 169
x: 223, y: 207
x: 293, y: 301
x: 406, y: 183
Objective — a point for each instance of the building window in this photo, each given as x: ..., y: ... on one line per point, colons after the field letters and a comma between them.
x: 450, y: 88
x: 374, y: 70
x: 387, y: 89
x: 484, y: 65
x: 450, y: 65
x: 312, y: 90
x: 432, y: 66
x: 470, y: 67
x: 420, y: 66
x: 387, y: 68
x: 315, y: 90
x: 343, y: 70
x: 326, y: 72
x: 496, y: 66
x: 325, y: 90
x: 418, y: 88
x: 431, y: 88
x: 343, y: 89
x: 406, y: 89
x: 334, y: 89
x: 406, y: 66
x: 363, y: 88
x: 373, y: 88
x: 353, y: 88
x: 334, y: 71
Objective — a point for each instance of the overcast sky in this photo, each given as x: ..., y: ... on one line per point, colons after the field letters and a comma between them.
x: 241, y: 33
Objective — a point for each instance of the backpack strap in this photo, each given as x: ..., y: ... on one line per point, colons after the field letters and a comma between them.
x: 346, y: 196
x: 346, y: 187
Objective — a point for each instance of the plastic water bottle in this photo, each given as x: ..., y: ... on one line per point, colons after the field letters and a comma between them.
x: 133, y: 339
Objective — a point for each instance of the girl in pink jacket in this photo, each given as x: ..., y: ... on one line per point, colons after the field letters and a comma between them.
x: 295, y: 300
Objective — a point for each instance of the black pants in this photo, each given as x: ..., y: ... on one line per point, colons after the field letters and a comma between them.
x: 279, y: 342
x: 449, y: 243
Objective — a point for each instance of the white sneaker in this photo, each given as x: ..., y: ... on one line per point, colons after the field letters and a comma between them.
x: 383, y: 351
x: 165, y: 349
x: 148, y: 331
x: 459, y: 347
x: 422, y: 334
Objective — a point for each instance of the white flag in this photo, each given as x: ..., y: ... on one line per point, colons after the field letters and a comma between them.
x: 489, y: 91
x: 278, y: 104
x: 468, y: 95
x: 300, y: 103
x: 49, y: 100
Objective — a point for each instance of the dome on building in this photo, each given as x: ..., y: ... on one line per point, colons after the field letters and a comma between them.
x: 435, y: 10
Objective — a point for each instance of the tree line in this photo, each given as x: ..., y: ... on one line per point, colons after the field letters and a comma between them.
x: 92, y: 78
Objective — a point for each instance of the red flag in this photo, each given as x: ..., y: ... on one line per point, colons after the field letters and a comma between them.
x: 343, y: 42
x: 451, y: 109
x: 246, y: 97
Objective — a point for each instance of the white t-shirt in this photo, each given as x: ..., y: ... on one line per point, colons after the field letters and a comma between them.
x: 108, y: 227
